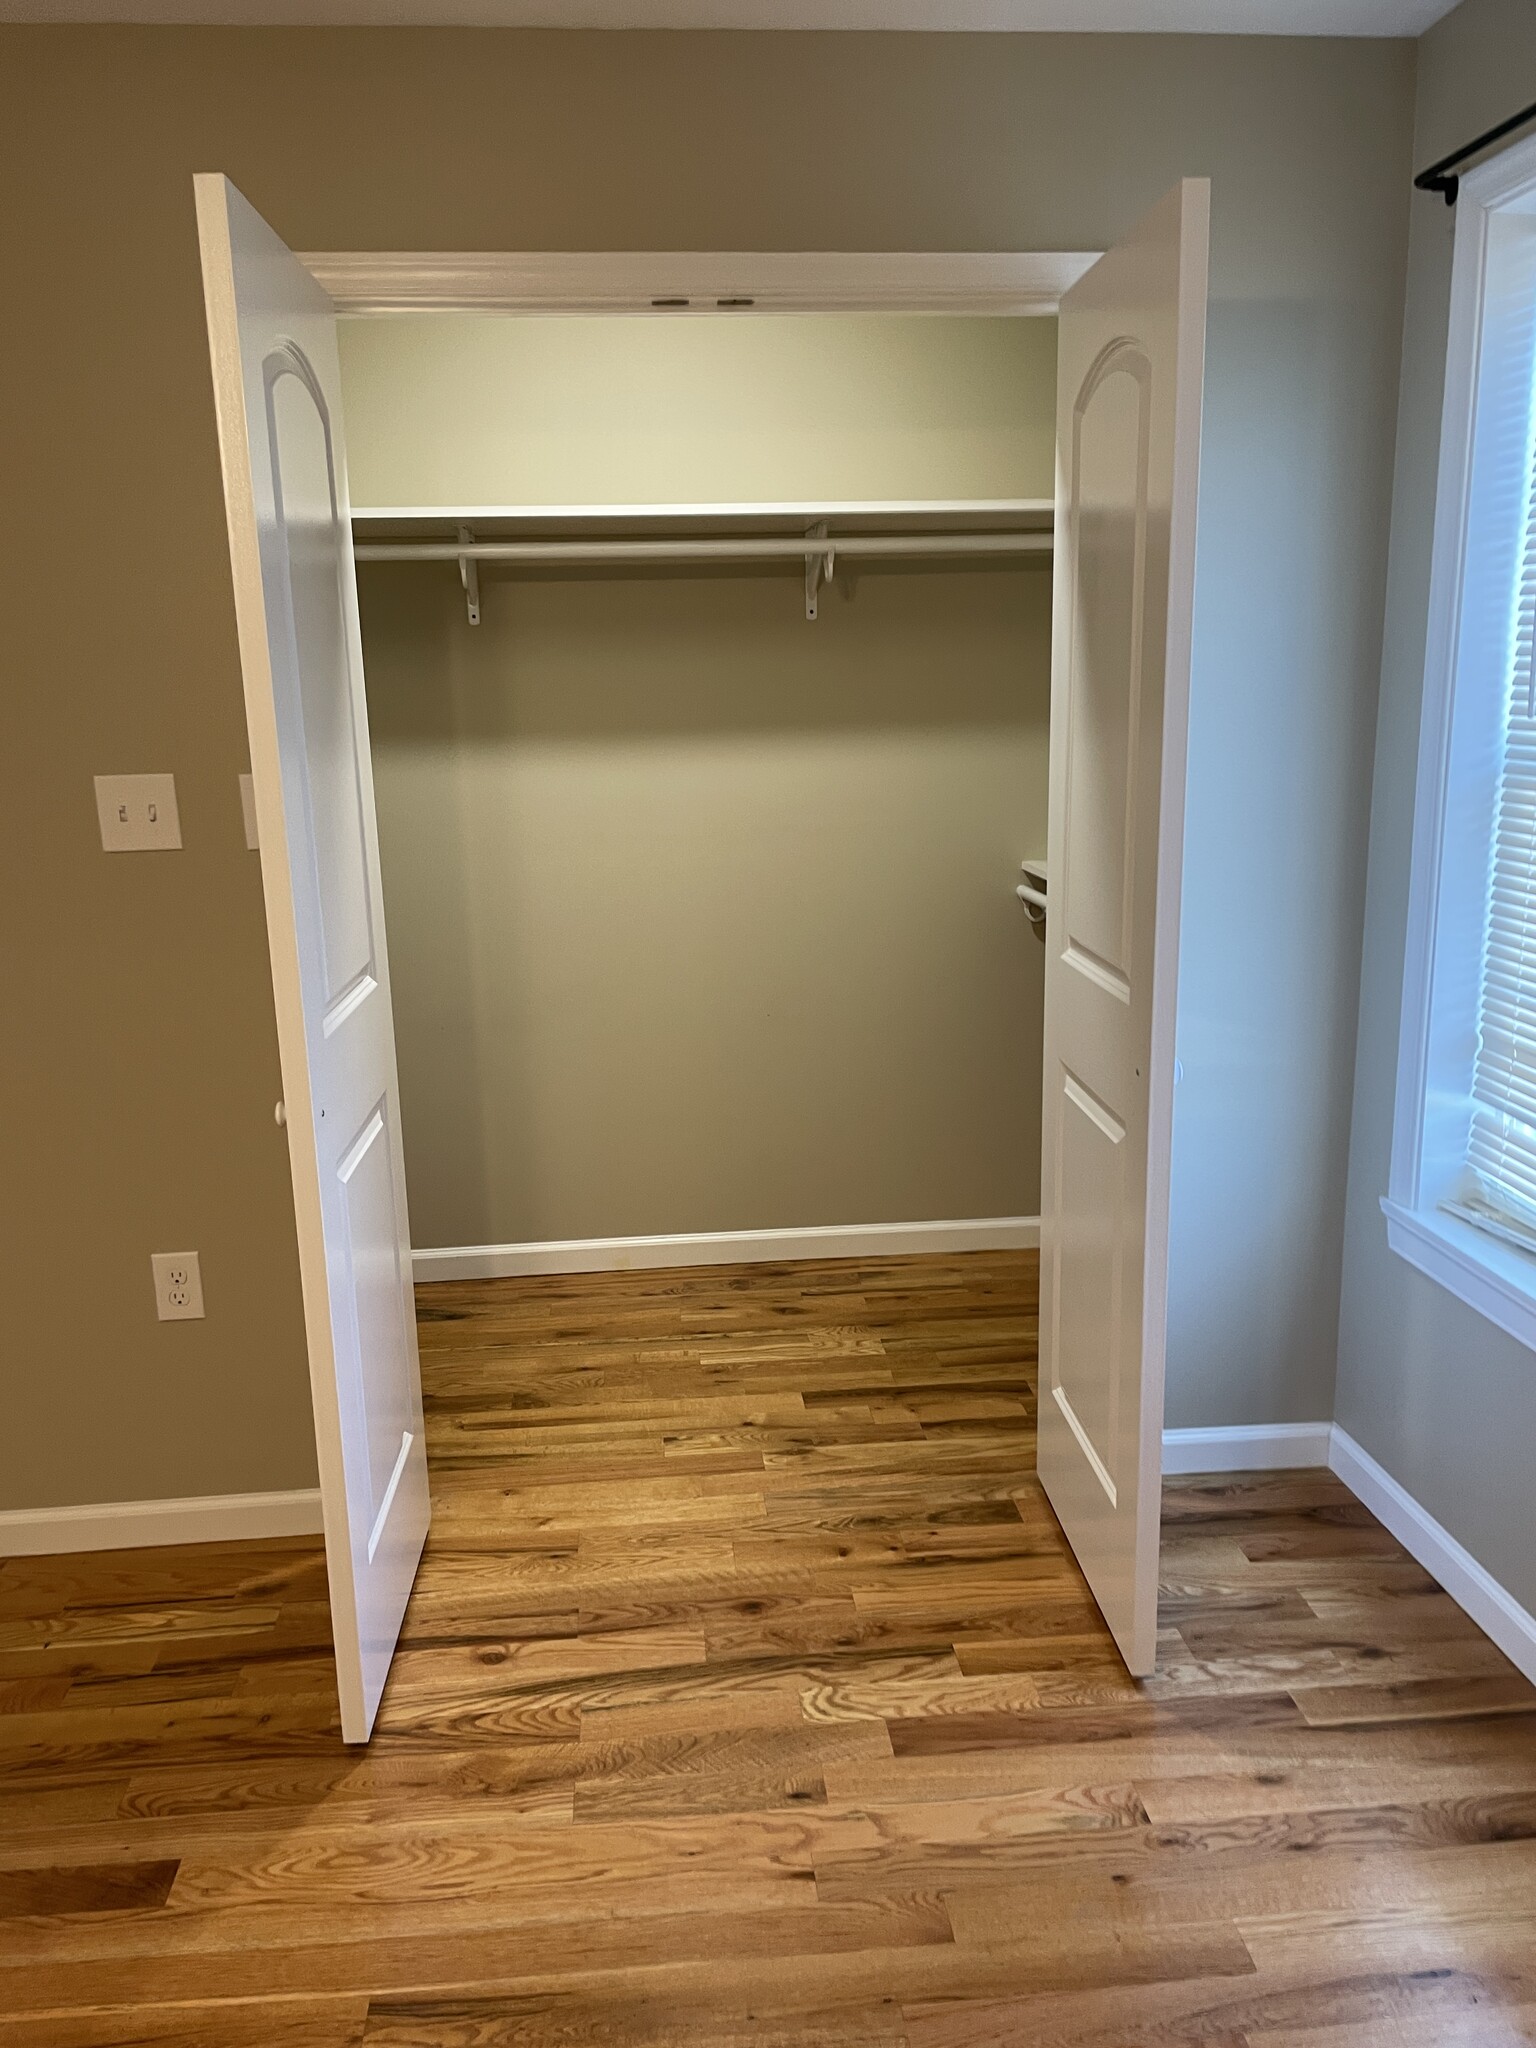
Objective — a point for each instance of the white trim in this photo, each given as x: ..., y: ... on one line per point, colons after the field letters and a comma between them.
x: 1246, y: 1447
x: 1497, y: 1612
x: 1442, y: 635
x: 724, y: 1248
x: 791, y: 513
x: 1489, y: 1276
x: 856, y: 18
x: 632, y: 281
x: 133, y: 1524
x: 1436, y: 1029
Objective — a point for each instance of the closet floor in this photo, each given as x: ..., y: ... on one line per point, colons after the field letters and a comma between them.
x: 749, y: 1699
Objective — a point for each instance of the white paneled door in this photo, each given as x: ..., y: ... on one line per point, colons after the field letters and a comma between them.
x: 1130, y: 370
x: 272, y: 335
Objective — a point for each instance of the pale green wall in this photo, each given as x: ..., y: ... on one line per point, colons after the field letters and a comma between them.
x: 1442, y: 1398
x: 701, y: 917
x: 139, y: 1061
x: 466, y: 410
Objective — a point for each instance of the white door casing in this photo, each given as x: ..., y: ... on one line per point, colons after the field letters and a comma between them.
x: 272, y: 338
x: 1130, y: 370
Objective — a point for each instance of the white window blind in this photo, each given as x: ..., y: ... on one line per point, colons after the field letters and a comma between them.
x: 1498, y: 1191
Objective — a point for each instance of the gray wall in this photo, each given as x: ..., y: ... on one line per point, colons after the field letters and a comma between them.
x: 139, y: 1057
x: 1301, y: 380
x: 1433, y: 1390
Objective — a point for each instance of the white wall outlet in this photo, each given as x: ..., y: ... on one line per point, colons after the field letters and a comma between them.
x: 248, y: 811
x: 178, y: 1286
x: 137, y: 812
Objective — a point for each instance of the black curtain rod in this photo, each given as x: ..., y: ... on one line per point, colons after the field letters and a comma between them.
x: 1441, y: 177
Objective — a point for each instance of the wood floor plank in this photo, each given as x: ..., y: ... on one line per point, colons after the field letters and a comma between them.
x: 748, y: 1695
x: 1476, y: 2026
x: 412, y: 1960
x: 1366, y: 1705
x: 780, y: 2001
x: 84, y: 1888
x: 1216, y: 2013
x: 1432, y: 1891
x: 264, y: 2023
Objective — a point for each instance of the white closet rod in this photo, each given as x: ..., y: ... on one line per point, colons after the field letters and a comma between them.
x: 743, y: 548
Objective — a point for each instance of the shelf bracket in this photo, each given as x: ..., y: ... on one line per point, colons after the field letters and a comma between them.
x: 469, y: 576
x: 819, y: 568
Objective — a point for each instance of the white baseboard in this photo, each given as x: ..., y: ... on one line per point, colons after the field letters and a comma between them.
x: 1497, y: 1612
x: 724, y: 1248
x: 1246, y: 1447
x: 133, y: 1524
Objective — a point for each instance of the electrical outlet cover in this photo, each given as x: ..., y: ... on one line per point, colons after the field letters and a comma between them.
x: 178, y: 1286
x: 137, y: 813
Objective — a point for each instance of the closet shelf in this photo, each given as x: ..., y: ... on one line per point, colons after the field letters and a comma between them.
x: 874, y: 515
x: 634, y: 535
x: 746, y: 547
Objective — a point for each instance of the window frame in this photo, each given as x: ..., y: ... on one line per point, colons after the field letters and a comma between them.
x: 1457, y: 787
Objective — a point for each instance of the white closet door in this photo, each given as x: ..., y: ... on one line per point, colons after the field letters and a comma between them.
x: 1129, y: 385
x: 272, y: 335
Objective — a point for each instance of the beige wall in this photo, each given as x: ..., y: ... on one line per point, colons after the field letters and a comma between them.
x: 140, y: 1061
x: 701, y: 917
x: 760, y: 408
x: 1442, y: 1398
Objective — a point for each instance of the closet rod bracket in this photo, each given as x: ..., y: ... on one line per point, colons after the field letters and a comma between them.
x: 469, y: 576
x: 819, y: 568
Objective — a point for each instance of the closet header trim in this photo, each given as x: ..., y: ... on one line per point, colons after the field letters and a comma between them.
x: 697, y: 281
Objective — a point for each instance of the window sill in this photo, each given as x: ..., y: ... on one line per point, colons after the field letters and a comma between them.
x: 1493, y: 1278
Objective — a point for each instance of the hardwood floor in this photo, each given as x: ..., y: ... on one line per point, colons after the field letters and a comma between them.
x: 749, y: 1699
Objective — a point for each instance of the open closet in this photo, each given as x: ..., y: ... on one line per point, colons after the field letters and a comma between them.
x: 704, y: 785
x: 717, y: 693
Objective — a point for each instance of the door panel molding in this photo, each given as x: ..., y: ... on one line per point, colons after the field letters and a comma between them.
x: 1085, y: 1445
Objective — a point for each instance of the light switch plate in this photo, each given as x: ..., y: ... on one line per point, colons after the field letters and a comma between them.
x: 137, y: 812
x: 178, y: 1286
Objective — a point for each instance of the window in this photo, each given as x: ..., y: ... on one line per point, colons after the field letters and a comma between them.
x: 1462, y: 1200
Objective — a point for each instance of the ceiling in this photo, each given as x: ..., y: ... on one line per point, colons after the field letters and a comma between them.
x: 1201, y: 17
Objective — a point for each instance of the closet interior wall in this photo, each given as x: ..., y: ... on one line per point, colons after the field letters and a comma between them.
x: 701, y: 916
